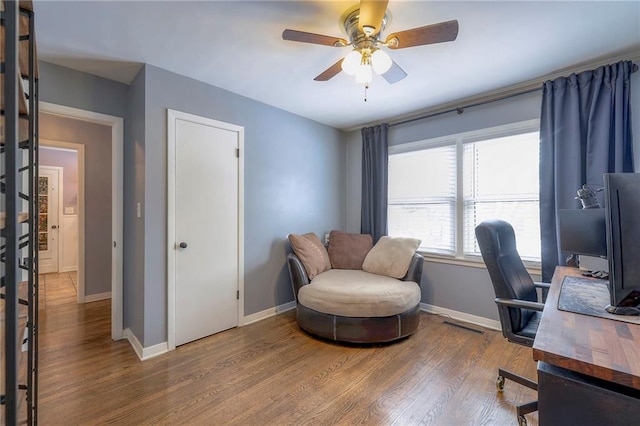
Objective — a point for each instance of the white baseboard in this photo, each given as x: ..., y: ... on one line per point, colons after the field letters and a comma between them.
x: 69, y: 269
x: 161, y: 348
x: 133, y: 341
x: 146, y: 353
x: 96, y: 297
x: 142, y: 352
x: 462, y: 316
x: 258, y: 316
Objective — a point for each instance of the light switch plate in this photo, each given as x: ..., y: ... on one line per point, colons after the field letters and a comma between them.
x: 69, y: 210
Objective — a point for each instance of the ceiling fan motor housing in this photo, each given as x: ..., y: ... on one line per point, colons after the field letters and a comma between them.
x: 359, y: 39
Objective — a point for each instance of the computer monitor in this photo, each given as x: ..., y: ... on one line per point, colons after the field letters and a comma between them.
x: 583, y: 232
x: 622, y: 214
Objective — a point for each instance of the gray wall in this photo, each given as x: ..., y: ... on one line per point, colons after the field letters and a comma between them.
x: 460, y: 288
x: 294, y: 183
x: 96, y: 139
x: 134, y: 162
x: 68, y: 87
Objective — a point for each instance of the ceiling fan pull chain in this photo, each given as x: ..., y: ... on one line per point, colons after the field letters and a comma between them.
x: 366, y: 87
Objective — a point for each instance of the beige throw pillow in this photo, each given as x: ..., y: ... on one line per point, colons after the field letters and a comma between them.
x: 347, y: 251
x: 311, y: 252
x: 391, y: 256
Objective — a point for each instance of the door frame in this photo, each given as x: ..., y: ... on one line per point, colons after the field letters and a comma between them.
x: 117, y: 211
x: 172, y: 116
x: 60, y: 172
x: 79, y: 148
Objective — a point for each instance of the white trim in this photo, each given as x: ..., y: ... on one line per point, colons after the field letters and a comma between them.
x: 171, y: 230
x: 56, y: 148
x: 133, y: 341
x: 79, y: 149
x: 533, y: 268
x: 259, y: 316
x: 240, y: 131
x: 172, y: 116
x: 142, y: 352
x: 97, y: 296
x: 461, y: 316
x: 71, y: 269
x: 161, y: 348
x: 117, y: 183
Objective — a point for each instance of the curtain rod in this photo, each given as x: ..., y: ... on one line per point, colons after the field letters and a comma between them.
x: 461, y: 109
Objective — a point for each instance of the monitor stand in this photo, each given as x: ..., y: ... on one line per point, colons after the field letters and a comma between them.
x: 630, y: 305
x: 623, y: 310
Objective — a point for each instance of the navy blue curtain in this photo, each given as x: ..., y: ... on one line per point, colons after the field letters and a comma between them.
x: 585, y: 131
x: 375, y: 181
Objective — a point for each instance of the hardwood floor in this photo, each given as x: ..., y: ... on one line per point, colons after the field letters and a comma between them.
x: 57, y: 289
x: 272, y: 373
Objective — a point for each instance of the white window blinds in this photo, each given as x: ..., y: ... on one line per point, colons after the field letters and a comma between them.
x: 422, y: 197
x: 501, y: 182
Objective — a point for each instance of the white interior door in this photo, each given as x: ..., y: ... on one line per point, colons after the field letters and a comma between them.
x: 206, y: 229
x: 49, y: 193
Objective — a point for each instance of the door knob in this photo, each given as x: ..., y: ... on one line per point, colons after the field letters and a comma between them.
x: 183, y: 245
x: 54, y: 227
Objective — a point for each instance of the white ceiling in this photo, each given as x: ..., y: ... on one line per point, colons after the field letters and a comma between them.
x: 237, y: 46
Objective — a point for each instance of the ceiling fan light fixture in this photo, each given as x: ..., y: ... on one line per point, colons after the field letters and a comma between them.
x: 381, y: 61
x: 364, y: 74
x: 351, y: 62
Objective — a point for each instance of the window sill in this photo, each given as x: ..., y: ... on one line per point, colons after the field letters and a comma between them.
x: 532, y: 268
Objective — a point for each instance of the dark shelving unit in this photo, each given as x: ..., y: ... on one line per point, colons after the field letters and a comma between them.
x: 18, y: 214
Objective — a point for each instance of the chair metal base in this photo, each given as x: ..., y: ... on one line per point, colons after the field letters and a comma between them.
x: 522, y: 409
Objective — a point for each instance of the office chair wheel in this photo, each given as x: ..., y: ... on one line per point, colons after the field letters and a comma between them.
x: 500, y: 383
x: 522, y: 421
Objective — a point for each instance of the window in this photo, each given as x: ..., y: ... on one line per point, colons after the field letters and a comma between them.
x: 422, y: 197
x: 439, y: 190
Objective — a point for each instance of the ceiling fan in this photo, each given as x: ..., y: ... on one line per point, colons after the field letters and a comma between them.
x: 364, y: 25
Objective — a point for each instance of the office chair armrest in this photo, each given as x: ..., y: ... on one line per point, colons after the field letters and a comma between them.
x: 545, y: 290
x: 517, y: 303
x: 542, y: 285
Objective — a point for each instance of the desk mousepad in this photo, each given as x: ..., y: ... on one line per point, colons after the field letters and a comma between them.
x: 588, y: 296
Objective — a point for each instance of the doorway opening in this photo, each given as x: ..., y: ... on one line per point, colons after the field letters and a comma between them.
x: 61, y: 239
x: 102, y: 218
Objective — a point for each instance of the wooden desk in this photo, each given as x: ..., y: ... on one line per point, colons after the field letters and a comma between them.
x: 581, y: 358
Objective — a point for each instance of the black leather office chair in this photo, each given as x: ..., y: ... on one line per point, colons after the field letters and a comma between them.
x: 516, y: 296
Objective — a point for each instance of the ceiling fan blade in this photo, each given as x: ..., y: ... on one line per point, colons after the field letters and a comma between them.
x: 330, y: 72
x: 312, y: 38
x: 430, y: 34
x: 371, y: 14
x: 395, y: 73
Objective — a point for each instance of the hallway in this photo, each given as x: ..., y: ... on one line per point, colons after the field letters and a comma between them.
x: 57, y: 289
